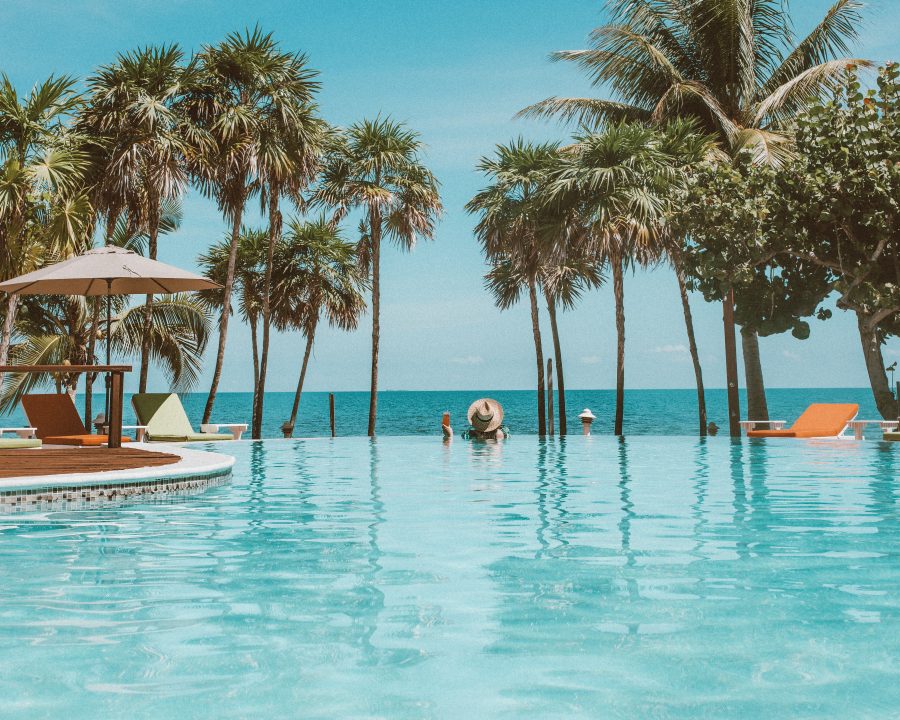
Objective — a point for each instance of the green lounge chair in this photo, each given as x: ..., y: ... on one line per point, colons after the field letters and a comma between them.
x: 18, y: 443
x: 166, y: 421
x: 25, y: 438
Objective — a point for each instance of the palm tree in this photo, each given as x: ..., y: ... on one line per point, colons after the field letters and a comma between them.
x: 230, y: 89
x: 317, y: 272
x: 687, y: 149
x: 248, y: 284
x: 733, y: 66
x: 510, y: 228
x: 55, y: 330
x: 564, y: 280
x: 291, y: 142
x: 42, y: 208
x: 617, y: 179
x: 134, y: 106
x: 375, y: 166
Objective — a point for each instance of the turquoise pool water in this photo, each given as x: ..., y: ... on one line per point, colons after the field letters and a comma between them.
x: 404, y: 578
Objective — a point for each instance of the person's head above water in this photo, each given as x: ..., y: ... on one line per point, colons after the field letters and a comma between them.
x: 485, y: 415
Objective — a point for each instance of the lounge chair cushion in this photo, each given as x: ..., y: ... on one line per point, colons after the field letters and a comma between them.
x: 166, y: 420
x: 818, y: 420
x: 771, y: 433
x: 16, y: 443
x: 192, y: 437
x: 86, y: 440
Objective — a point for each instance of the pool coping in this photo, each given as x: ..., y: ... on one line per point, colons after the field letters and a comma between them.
x: 192, y: 465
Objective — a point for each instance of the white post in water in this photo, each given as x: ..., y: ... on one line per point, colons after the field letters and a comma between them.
x: 586, y: 417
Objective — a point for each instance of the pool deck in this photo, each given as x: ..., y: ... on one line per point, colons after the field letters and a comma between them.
x: 34, y: 477
x: 61, y: 461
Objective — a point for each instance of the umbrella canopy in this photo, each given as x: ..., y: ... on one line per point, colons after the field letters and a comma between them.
x: 107, y: 271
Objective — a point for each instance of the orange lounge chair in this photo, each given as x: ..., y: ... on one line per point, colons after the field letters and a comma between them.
x: 819, y: 420
x: 56, y: 419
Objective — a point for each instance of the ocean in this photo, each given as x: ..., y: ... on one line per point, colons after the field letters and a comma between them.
x: 647, y: 412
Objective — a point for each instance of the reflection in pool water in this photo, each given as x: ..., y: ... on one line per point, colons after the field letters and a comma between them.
x: 407, y: 578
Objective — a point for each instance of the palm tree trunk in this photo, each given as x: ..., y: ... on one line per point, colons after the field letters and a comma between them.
x: 731, y: 374
x: 757, y: 408
x: 254, y: 349
x: 274, y: 235
x: 871, y: 347
x: 375, y: 233
x: 310, y: 338
x: 618, y: 271
x: 539, y: 356
x: 153, y: 229
x: 557, y: 352
x: 90, y: 378
x: 692, y: 342
x: 9, y: 322
x: 226, y: 311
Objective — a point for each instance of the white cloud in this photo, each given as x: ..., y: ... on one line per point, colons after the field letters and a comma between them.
x: 468, y: 360
x: 679, y: 349
x: 591, y: 360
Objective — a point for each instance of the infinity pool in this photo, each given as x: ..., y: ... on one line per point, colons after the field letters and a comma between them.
x: 405, y: 578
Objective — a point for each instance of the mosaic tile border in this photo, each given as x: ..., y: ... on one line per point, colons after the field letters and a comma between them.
x: 94, y: 495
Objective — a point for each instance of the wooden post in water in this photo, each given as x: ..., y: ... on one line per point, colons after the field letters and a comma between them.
x: 331, y: 412
x: 550, y: 394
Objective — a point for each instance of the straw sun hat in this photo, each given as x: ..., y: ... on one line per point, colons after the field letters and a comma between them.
x: 485, y: 415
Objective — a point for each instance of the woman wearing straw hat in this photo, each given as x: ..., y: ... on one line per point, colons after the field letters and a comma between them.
x: 486, y: 419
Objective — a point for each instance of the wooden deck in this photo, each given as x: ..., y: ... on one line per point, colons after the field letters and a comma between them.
x: 51, y: 461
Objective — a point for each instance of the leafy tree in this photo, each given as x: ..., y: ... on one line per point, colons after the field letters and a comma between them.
x: 376, y: 166
x: 732, y: 65
x: 836, y: 207
x: 734, y: 247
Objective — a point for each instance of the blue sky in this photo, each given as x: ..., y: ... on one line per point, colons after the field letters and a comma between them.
x: 456, y: 72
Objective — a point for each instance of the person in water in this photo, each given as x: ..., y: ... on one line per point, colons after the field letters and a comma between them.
x: 486, y: 420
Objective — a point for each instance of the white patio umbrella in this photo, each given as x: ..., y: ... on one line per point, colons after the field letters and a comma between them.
x: 107, y: 271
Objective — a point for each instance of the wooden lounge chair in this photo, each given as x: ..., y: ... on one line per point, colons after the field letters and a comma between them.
x: 57, y: 421
x: 819, y: 420
x: 166, y: 421
x: 892, y: 436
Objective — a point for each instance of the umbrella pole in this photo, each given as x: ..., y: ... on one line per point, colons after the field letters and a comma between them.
x: 108, y: 354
